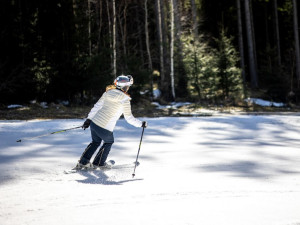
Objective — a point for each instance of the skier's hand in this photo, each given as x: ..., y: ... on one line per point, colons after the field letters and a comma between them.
x: 144, y: 124
x: 86, y: 124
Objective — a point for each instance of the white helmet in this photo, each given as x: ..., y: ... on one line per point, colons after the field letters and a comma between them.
x: 123, y: 82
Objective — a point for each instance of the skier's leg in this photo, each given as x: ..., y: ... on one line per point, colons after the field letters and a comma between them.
x: 108, y: 139
x: 91, y: 148
x: 88, y: 152
x: 102, y: 154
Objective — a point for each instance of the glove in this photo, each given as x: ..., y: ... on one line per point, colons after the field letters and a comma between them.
x: 86, y: 123
x: 144, y: 124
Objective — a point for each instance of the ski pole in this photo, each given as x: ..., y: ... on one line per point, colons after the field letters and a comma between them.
x: 55, y: 132
x: 137, y: 156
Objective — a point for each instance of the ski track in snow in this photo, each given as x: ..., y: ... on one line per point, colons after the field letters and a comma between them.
x: 234, y: 170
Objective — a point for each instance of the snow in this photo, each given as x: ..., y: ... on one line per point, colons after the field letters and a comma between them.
x: 173, y: 105
x: 203, y: 170
x: 13, y: 106
x: 265, y: 103
x: 156, y: 93
x: 44, y: 105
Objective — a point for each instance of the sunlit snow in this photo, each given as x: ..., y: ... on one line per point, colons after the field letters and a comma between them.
x: 234, y: 170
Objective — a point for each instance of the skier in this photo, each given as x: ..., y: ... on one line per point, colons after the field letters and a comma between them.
x: 103, y: 118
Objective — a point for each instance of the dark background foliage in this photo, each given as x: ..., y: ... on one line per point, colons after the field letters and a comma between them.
x: 63, y: 50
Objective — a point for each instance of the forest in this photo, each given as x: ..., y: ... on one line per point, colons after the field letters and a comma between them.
x: 212, y: 51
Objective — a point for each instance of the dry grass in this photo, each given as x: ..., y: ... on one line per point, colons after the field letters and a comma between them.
x: 143, y: 109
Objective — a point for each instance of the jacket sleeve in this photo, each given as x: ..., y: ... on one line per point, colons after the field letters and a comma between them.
x: 128, y: 115
x: 96, y: 107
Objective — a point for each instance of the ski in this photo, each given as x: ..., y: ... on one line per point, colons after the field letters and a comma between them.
x: 109, y: 165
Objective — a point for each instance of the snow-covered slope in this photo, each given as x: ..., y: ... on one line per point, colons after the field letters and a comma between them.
x: 211, y: 170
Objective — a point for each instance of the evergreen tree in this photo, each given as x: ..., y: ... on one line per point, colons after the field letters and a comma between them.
x: 230, y: 77
x: 200, y: 67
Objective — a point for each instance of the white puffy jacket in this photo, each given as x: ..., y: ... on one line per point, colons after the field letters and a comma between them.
x: 110, y: 107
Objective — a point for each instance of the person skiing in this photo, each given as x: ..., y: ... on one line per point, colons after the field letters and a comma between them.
x: 102, y: 120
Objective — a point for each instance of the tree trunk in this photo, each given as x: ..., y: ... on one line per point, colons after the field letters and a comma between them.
x: 99, y: 25
x: 109, y: 33
x: 277, y: 36
x: 172, y: 51
x: 150, y: 66
x: 161, y: 47
x: 166, y: 82
x: 74, y: 8
x: 89, y: 28
x: 140, y: 33
x: 123, y: 27
x: 181, y: 87
x: 253, y: 35
x: 195, y: 22
x: 114, y: 41
x: 251, y: 53
x: 241, y: 41
x: 296, y: 33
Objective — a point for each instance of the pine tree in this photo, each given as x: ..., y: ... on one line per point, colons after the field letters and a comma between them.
x: 200, y: 67
x: 230, y: 76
